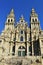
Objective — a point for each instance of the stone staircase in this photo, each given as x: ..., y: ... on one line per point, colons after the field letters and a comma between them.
x: 16, y: 61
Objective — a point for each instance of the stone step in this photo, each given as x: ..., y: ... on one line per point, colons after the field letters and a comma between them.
x: 16, y: 61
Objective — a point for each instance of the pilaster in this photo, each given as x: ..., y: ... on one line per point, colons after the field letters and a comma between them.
x: 28, y: 53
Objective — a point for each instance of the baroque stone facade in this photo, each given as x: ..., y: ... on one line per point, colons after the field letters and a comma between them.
x: 21, y: 44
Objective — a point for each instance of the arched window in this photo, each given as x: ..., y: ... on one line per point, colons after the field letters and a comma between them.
x: 21, y: 32
x: 21, y: 51
x: 32, y: 20
x: 21, y: 38
x: 8, y: 20
x: 36, y: 20
x: 11, y: 20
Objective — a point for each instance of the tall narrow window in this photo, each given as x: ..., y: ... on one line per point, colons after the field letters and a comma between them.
x: 13, y: 50
x: 11, y: 20
x: 33, y: 20
x: 36, y: 47
x: 21, y: 32
x: 21, y: 39
x: 0, y: 41
x: 8, y: 20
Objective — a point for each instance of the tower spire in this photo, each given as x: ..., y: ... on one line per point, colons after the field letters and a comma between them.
x: 22, y: 18
x: 10, y: 20
x: 11, y: 13
x: 33, y: 13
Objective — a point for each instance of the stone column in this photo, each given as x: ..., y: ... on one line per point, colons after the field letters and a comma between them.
x: 28, y: 49
x: 32, y: 49
x: 16, y: 50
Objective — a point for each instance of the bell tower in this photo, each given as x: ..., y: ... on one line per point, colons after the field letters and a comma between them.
x: 34, y: 28
x: 10, y: 21
x: 35, y: 25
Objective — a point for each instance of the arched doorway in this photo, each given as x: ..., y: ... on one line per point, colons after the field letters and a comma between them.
x: 21, y: 51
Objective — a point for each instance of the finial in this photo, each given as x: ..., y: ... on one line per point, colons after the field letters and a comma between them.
x: 12, y: 11
x: 33, y: 11
x: 22, y: 16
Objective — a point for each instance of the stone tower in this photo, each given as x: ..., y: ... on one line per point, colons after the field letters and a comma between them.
x: 35, y: 28
x: 10, y: 21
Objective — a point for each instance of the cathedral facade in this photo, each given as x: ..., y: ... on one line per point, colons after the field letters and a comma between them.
x: 22, y: 40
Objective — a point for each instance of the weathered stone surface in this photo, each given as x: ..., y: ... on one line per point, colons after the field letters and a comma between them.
x: 17, y: 61
x: 21, y: 44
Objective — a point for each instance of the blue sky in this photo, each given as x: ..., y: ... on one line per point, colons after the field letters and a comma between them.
x: 20, y: 7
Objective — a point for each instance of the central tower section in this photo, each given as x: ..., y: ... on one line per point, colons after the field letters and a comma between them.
x: 22, y: 38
